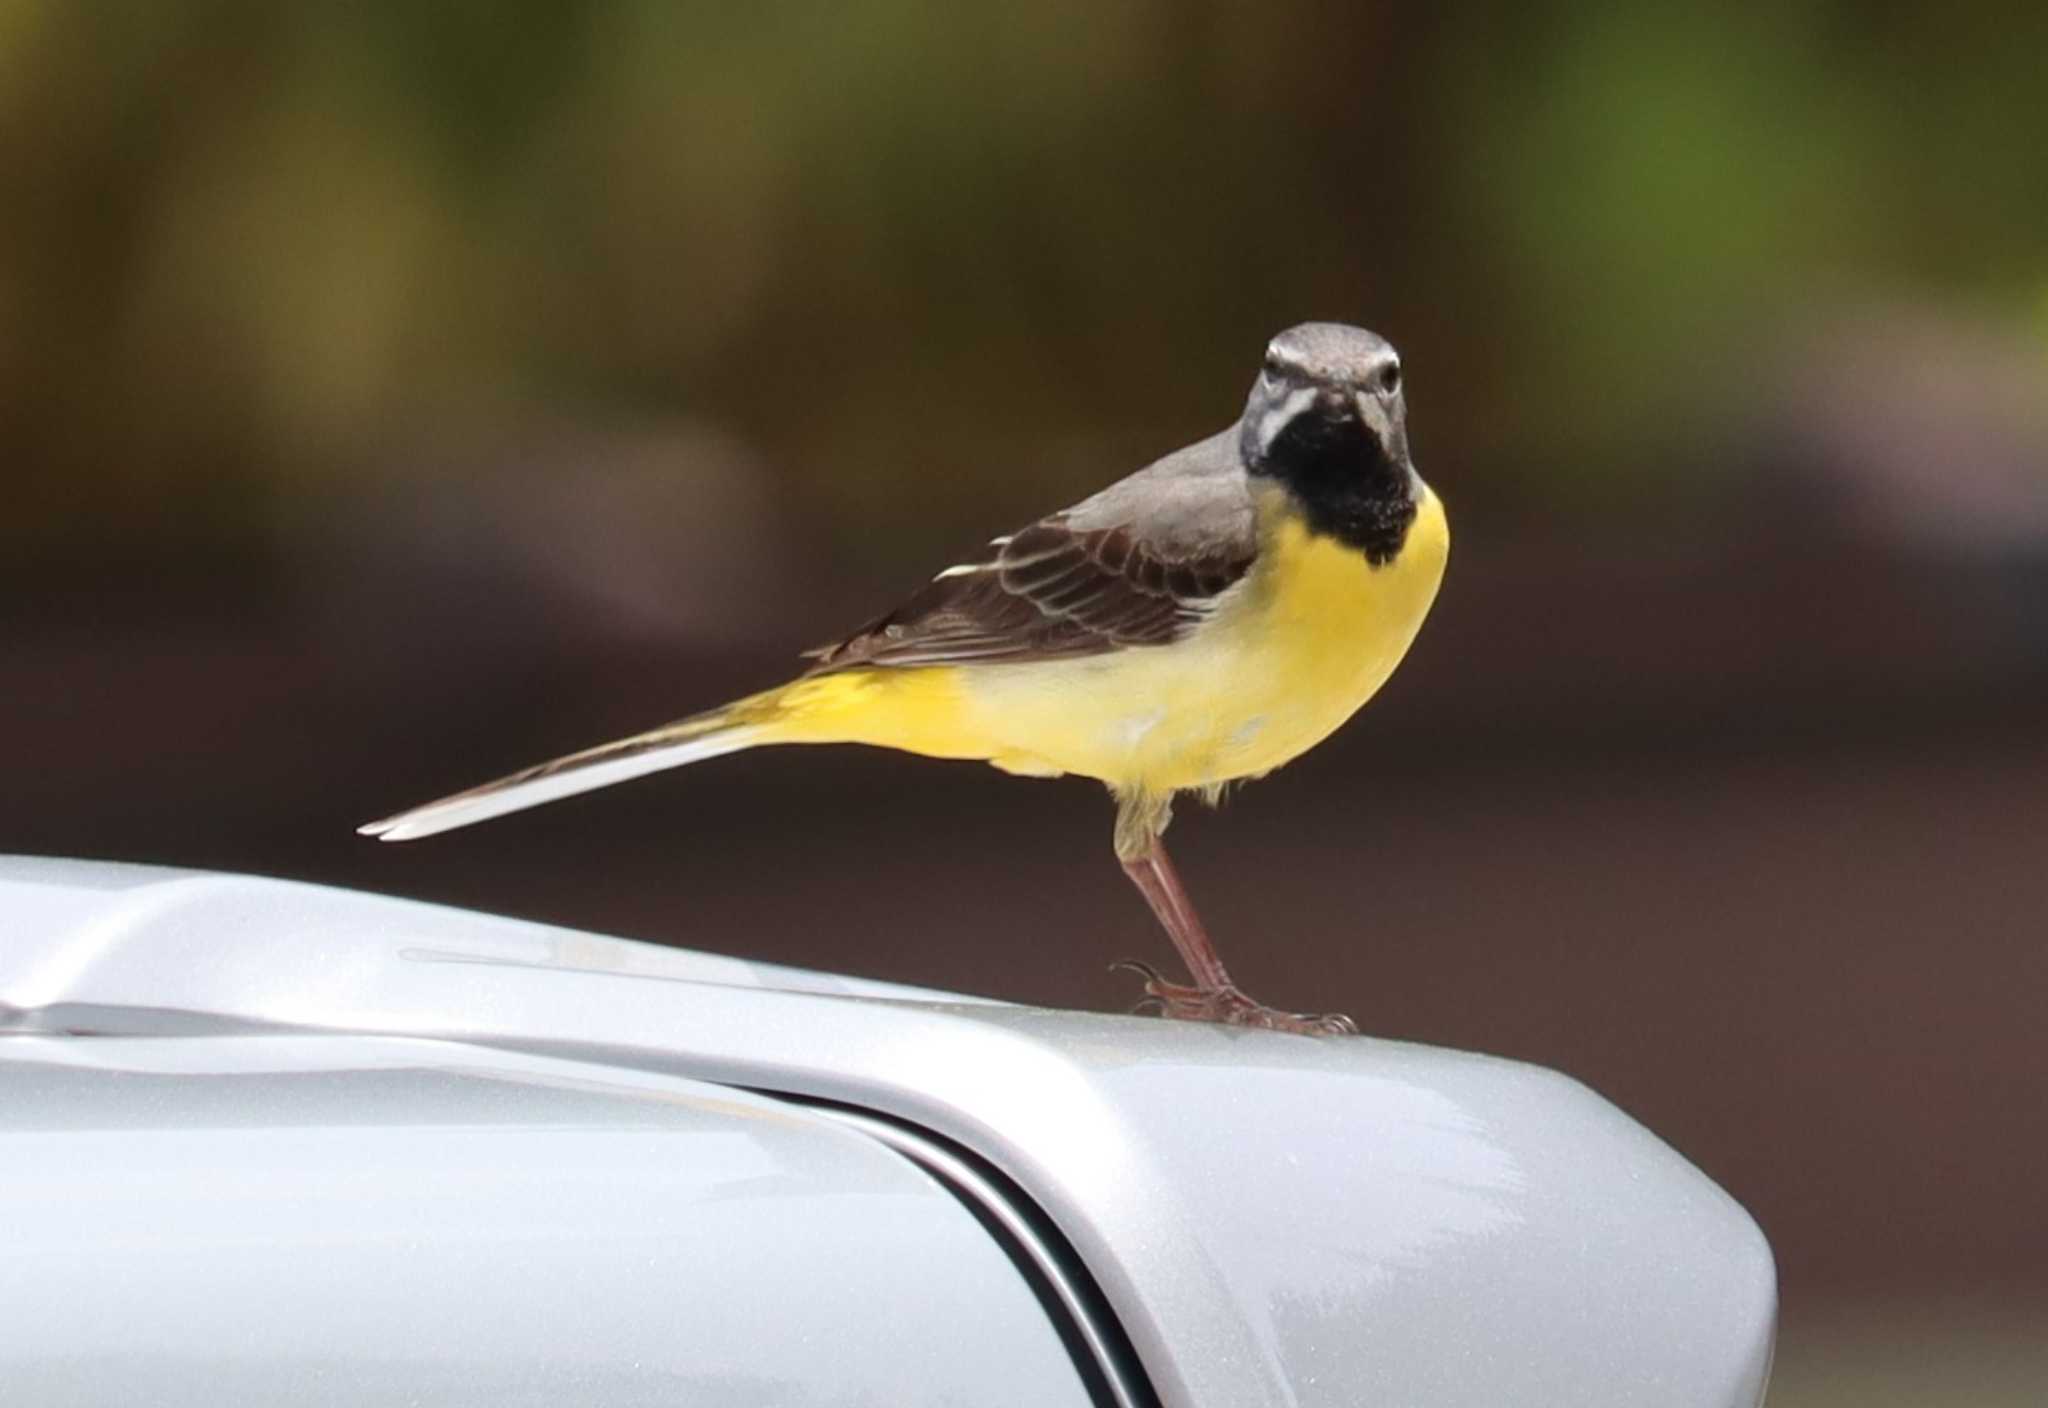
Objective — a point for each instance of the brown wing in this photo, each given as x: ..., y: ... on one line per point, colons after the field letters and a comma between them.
x: 1140, y: 564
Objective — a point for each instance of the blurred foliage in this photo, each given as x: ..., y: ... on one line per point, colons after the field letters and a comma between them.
x: 941, y: 263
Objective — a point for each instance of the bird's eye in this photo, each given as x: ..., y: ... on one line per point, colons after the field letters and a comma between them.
x: 1387, y: 380
x: 1273, y: 368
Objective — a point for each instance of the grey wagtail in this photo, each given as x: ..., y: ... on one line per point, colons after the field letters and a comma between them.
x: 1202, y: 622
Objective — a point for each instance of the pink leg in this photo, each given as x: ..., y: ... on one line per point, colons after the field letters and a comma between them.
x: 1213, y: 996
x: 1157, y: 880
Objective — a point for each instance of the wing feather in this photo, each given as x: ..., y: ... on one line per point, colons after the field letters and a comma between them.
x: 1140, y: 564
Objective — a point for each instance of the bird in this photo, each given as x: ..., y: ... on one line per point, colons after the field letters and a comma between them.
x: 1197, y: 624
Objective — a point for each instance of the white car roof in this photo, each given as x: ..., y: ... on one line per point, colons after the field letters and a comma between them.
x: 1273, y: 1219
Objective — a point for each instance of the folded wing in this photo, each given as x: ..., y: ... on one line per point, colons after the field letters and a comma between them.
x: 1071, y: 585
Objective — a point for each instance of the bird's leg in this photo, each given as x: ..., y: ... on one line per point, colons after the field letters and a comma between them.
x: 1157, y: 880
x: 1212, y: 997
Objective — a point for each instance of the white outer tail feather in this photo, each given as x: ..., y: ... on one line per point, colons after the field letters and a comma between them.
x: 497, y: 799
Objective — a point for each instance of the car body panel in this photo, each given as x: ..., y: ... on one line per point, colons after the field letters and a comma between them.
x: 1274, y: 1220
x: 377, y: 1220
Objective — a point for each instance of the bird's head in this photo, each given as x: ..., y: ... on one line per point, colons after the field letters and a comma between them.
x: 1326, y: 419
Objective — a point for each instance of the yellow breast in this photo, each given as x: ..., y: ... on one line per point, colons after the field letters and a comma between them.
x: 1293, y: 652
x: 1323, y: 632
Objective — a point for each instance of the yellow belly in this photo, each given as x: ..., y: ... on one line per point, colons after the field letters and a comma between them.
x: 1309, y: 637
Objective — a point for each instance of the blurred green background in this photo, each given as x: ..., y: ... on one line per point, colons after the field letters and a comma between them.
x: 394, y: 394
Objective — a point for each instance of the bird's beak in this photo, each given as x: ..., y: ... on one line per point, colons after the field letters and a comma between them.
x: 1337, y: 402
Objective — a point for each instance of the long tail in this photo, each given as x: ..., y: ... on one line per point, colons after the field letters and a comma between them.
x: 743, y: 724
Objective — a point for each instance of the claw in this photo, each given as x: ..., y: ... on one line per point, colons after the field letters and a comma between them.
x: 1151, y: 1004
x: 1227, y: 1005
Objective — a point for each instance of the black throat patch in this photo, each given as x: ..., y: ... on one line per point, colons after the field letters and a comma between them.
x: 1349, y: 487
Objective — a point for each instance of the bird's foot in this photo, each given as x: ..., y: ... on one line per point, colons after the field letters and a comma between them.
x: 1230, y: 1006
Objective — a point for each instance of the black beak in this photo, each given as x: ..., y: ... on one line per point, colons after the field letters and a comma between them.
x: 1337, y: 403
